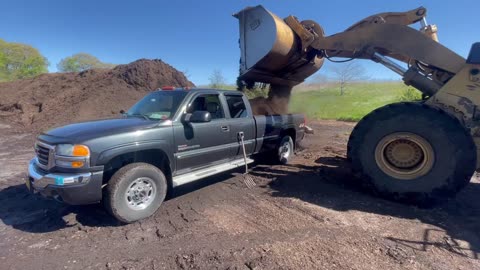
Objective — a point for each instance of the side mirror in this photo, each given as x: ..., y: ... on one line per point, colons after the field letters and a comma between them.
x: 198, y: 117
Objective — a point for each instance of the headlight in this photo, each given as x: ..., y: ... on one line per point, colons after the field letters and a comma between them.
x: 71, y: 150
x: 72, y: 156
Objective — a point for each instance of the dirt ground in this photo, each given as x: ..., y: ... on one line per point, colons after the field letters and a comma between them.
x: 311, y: 214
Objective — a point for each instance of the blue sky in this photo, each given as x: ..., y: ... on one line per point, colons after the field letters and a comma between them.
x: 199, y: 36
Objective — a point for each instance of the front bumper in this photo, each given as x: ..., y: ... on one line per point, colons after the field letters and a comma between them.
x: 71, y: 188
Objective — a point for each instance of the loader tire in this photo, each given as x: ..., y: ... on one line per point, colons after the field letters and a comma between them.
x: 413, y: 153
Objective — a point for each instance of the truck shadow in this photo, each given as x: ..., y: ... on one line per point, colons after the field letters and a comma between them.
x: 332, y: 185
x: 33, y: 213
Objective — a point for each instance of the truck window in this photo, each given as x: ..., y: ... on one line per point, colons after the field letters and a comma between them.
x: 210, y: 103
x: 236, y: 106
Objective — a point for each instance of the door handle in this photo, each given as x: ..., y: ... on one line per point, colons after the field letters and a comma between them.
x: 225, y: 128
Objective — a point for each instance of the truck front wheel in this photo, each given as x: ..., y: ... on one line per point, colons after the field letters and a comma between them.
x: 135, y: 192
x: 412, y: 152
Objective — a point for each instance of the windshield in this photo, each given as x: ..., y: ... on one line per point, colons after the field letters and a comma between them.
x: 159, y: 105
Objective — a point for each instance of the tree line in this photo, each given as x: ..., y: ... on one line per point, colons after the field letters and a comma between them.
x: 21, y: 61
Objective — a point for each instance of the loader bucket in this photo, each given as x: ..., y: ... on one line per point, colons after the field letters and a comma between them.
x: 271, y: 52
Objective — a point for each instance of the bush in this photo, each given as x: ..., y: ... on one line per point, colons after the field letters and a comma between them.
x: 81, y: 62
x: 256, y: 92
x: 410, y: 94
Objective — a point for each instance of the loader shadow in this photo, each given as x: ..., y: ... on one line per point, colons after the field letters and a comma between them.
x: 35, y: 214
x: 332, y: 185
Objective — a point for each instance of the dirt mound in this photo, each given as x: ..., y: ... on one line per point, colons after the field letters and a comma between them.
x: 55, y: 99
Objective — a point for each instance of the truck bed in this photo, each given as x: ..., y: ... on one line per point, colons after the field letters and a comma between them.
x: 270, y: 129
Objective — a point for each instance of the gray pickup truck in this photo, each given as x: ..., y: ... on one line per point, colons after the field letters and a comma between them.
x: 167, y: 139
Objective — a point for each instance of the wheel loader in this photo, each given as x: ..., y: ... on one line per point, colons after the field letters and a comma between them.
x: 419, y: 152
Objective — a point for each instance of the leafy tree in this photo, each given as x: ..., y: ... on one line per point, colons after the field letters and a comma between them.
x: 252, y: 89
x: 80, y: 62
x: 217, y: 80
x: 257, y: 90
x: 3, y: 62
x: 20, y: 61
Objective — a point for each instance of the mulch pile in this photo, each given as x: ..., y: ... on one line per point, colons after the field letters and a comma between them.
x: 56, y: 99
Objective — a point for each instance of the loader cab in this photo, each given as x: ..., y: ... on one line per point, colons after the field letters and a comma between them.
x: 474, y: 55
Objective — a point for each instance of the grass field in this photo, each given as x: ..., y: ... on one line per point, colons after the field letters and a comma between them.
x: 358, y: 100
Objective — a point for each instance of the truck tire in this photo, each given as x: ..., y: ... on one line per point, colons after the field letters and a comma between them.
x: 135, y: 192
x: 285, y: 150
x: 412, y: 153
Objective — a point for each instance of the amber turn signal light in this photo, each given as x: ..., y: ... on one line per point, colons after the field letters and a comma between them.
x: 80, y: 151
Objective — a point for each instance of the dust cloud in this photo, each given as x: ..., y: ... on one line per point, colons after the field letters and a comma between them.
x: 276, y: 102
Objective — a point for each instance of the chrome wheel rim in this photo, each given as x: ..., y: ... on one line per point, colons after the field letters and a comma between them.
x: 285, y: 150
x: 404, y: 155
x: 140, y: 193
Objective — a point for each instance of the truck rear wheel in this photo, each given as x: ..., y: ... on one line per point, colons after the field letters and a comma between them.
x: 412, y: 152
x: 135, y: 192
x: 285, y: 150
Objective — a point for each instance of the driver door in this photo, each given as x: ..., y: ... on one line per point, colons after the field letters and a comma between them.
x: 200, y: 145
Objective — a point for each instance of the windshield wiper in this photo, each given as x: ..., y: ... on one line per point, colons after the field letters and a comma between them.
x: 139, y: 114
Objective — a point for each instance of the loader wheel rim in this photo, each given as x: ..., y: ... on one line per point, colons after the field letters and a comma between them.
x: 404, y: 155
x: 140, y: 193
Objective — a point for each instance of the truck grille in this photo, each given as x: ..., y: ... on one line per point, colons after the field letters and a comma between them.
x: 43, y: 154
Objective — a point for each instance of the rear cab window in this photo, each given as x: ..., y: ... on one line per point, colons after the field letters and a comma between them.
x: 236, y: 106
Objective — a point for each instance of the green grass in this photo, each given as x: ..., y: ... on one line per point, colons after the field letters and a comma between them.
x: 358, y: 100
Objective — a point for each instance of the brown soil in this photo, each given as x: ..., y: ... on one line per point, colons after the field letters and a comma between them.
x: 56, y: 99
x: 311, y: 214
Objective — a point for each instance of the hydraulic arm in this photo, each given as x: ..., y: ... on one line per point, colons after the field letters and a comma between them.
x: 299, y: 47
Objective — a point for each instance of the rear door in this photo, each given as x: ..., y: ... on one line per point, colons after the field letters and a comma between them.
x: 200, y: 145
x: 239, y: 120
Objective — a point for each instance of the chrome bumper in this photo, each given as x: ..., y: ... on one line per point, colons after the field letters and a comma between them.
x: 41, y: 180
